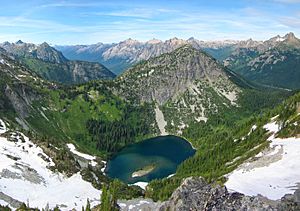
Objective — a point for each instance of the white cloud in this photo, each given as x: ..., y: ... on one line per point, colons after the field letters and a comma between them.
x: 134, y: 12
x: 145, y: 23
x: 288, y: 1
x: 291, y: 22
x: 68, y: 4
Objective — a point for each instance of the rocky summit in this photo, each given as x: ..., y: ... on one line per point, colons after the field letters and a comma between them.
x: 182, y: 82
x: 168, y: 76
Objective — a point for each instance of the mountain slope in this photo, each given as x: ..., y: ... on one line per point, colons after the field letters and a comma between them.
x: 70, y: 72
x: 277, y: 166
x: 198, y: 98
x: 16, y: 84
x: 274, y: 62
x: 51, y: 116
x: 52, y: 65
x: 72, y: 113
x: 184, y: 83
x: 233, y: 137
x: 26, y: 176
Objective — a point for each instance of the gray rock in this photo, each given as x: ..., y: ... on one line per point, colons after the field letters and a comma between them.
x: 196, y: 194
x: 11, y: 201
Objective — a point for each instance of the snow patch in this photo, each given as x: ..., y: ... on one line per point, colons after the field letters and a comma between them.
x: 280, y: 39
x: 201, y: 118
x: 231, y: 96
x: 104, y: 167
x: 171, y: 175
x: 181, y: 127
x: 151, y: 71
x: 252, y: 129
x: 138, y: 204
x: 25, y: 176
x: 83, y: 155
x: 274, y: 172
x: 2, y: 61
x: 142, y: 185
x: 3, y: 128
x: 43, y: 114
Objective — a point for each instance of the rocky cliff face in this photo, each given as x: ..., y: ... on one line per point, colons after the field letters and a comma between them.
x: 184, y: 82
x: 86, y: 71
x: 196, y: 194
x: 170, y: 75
x: 16, y: 92
x: 52, y: 65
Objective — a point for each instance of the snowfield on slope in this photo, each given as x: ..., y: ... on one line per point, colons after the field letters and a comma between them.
x: 275, y: 171
x: 25, y: 177
x: 85, y: 156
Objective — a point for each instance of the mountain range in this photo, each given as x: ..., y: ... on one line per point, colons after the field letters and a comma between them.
x: 119, y: 56
x: 252, y: 59
x: 274, y: 62
x: 52, y: 65
x: 51, y: 106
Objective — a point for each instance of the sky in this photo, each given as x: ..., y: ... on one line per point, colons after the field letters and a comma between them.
x: 90, y: 21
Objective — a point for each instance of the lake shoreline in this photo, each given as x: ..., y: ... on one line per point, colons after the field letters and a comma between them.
x: 153, y: 158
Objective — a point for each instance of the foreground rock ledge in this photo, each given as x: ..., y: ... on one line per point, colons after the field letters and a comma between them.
x: 196, y: 194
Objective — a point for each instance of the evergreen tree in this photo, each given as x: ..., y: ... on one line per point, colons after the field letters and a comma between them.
x: 88, y: 205
x: 104, y: 199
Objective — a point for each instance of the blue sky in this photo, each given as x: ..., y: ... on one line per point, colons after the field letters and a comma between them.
x: 90, y: 21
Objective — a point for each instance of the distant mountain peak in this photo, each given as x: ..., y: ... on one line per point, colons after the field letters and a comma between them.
x: 19, y: 42
x: 130, y: 41
x: 191, y: 39
x: 290, y: 37
x: 45, y: 44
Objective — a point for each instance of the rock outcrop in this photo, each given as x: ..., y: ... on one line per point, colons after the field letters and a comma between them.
x: 196, y: 194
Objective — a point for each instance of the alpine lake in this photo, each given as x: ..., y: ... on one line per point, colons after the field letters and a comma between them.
x: 150, y: 159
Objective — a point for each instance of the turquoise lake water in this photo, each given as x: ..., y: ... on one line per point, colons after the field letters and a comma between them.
x: 165, y: 152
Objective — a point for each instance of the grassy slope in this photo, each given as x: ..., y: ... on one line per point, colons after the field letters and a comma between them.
x: 68, y: 110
